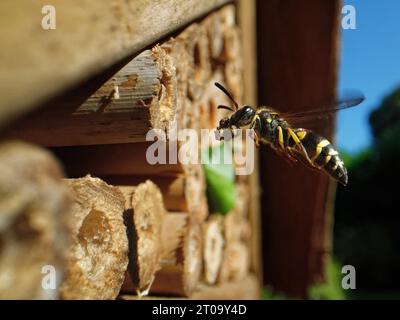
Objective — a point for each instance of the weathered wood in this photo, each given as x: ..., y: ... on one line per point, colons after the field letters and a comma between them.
x: 34, y: 221
x: 183, y: 186
x: 139, y: 97
x: 237, y: 231
x: 98, y: 257
x: 236, y: 227
x: 247, y: 18
x: 236, y: 262
x: 169, y: 86
x: 213, y: 248
x: 39, y: 64
x: 114, y: 159
x: 172, y: 188
x: 245, y: 289
x: 183, y: 192
x: 182, y: 259
x: 296, y: 82
x: 144, y: 214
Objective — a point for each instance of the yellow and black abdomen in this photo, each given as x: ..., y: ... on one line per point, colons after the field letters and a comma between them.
x: 322, y: 154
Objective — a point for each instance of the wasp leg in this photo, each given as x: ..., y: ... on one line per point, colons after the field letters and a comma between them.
x: 300, y: 146
x: 281, y: 149
x: 287, y: 156
x: 255, y: 137
x: 300, y: 157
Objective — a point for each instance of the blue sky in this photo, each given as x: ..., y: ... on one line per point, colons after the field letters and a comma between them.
x: 370, y: 61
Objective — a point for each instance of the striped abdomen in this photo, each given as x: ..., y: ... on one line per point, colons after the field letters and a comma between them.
x: 322, y: 154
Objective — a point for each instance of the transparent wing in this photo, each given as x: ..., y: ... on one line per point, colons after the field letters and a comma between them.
x: 350, y: 99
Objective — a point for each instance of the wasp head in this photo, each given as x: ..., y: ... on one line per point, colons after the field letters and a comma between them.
x: 240, y: 117
x: 224, y: 123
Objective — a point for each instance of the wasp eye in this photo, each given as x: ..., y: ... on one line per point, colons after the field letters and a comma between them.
x: 223, y: 123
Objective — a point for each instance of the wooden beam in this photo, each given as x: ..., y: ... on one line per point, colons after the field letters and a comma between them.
x: 90, y: 36
x: 247, y: 22
x: 245, y: 289
x: 139, y: 97
x: 298, y: 48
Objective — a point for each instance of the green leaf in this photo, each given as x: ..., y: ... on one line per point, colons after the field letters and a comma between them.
x: 220, y: 179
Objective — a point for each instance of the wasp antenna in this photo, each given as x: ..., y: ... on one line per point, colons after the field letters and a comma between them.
x: 223, y: 89
x: 225, y: 107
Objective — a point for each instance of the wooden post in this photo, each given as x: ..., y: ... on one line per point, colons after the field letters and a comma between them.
x: 247, y: 16
x: 297, y: 81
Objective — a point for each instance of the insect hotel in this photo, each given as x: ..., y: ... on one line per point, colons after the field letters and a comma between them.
x: 78, y: 193
x: 86, y: 87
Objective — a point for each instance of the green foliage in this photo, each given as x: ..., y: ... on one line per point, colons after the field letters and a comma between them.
x: 387, y: 115
x: 367, y: 217
x: 332, y: 288
x: 220, y: 179
x: 268, y: 293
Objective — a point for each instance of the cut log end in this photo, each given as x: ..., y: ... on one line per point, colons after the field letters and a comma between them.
x: 33, y: 221
x: 182, y: 257
x: 236, y: 262
x: 99, y: 253
x: 143, y: 216
x: 213, y: 248
x: 193, y: 258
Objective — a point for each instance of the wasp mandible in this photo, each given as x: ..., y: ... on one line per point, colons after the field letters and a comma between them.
x: 295, y: 144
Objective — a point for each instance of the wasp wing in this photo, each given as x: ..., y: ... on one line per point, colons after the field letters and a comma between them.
x: 319, y: 115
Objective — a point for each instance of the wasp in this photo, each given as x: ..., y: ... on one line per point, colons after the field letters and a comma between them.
x: 295, y: 144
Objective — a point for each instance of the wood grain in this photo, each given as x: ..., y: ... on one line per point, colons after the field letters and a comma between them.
x: 98, y: 256
x: 143, y: 217
x: 90, y: 36
x: 34, y: 220
x: 247, y: 17
x: 298, y: 50
x: 245, y: 289
x: 139, y: 97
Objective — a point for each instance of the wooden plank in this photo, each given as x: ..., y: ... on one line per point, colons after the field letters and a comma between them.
x: 90, y: 36
x: 298, y: 48
x: 247, y: 17
x: 245, y: 289
x: 139, y: 97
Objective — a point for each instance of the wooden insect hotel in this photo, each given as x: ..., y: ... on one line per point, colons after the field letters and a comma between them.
x: 78, y: 196
x: 84, y: 214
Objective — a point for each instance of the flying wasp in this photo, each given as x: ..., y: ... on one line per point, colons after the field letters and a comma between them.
x: 295, y: 144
